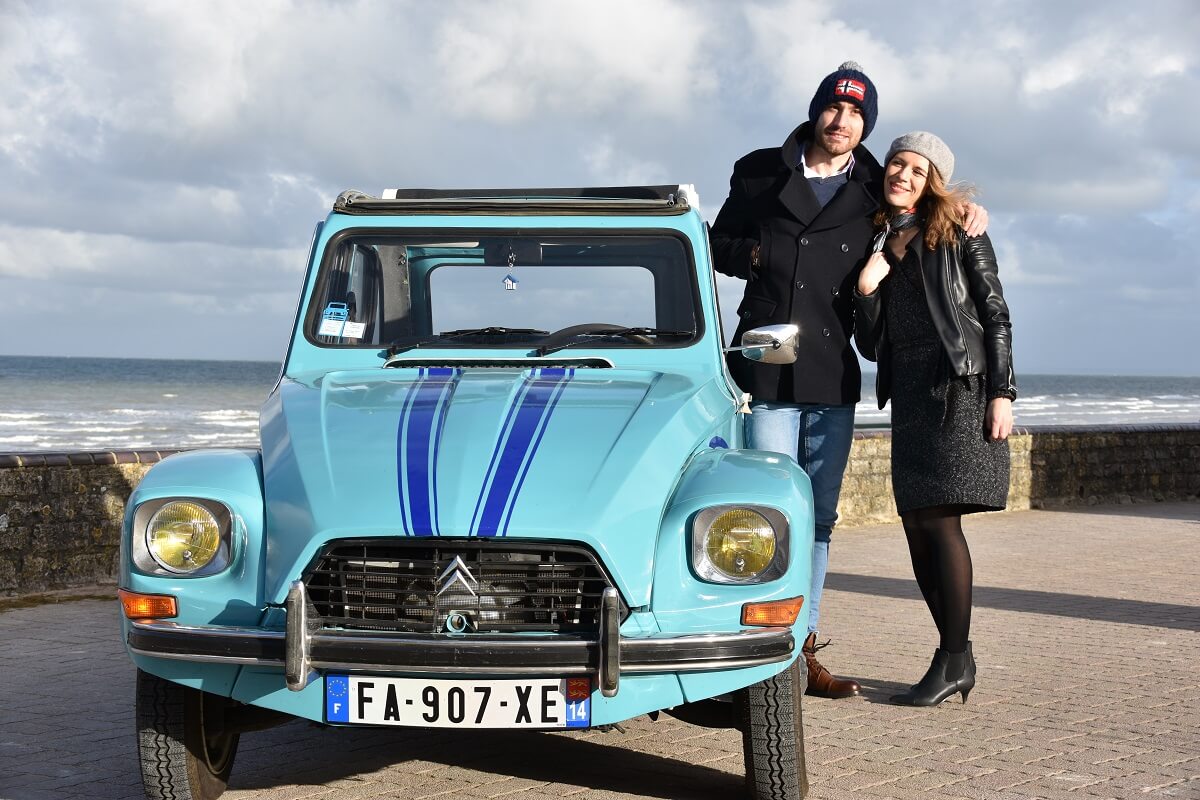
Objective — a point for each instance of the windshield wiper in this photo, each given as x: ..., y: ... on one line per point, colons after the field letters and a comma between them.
x: 395, y: 348
x: 493, y: 331
x: 547, y: 349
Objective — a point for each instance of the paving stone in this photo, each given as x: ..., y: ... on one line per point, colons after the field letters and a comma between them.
x: 1087, y: 689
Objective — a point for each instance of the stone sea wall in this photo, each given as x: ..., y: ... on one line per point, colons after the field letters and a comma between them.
x: 1051, y: 466
x: 60, y: 513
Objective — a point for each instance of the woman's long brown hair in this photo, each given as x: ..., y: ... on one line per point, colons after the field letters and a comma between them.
x: 941, y: 208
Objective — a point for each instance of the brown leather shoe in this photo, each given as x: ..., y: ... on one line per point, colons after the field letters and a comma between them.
x: 821, y: 682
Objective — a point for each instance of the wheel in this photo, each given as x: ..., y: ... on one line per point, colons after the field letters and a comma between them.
x: 184, y: 753
x: 772, y: 726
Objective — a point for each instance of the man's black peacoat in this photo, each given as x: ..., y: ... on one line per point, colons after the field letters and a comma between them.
x: 809, y: 259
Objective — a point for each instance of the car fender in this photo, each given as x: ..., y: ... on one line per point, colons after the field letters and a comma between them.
x: 233, y: 477
x: 683, y: 602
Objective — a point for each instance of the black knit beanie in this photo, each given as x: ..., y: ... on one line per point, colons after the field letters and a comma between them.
x: 847, y: 84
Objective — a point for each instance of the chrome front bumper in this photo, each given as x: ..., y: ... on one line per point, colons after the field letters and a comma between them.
x: 304, y: 648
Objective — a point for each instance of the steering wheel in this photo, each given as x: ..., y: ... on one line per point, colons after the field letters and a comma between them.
x: 564, y: 334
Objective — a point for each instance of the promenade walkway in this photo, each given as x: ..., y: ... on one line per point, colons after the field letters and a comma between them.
x: 1086, y: 632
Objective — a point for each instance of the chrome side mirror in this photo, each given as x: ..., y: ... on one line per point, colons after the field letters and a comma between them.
x: 770, y: 344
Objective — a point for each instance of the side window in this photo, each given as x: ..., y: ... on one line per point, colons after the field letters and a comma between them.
x: 351, y: 309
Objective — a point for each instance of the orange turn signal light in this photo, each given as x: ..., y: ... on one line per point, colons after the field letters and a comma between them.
x: 776, y: 612
x: 147, y: 606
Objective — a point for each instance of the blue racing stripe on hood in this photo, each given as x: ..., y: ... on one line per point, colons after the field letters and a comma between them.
x: 524, y: 427
x: 418, y: 438
x: 400, y: 431
x: 558, y: 392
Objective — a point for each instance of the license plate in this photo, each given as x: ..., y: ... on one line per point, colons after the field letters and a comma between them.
x: 418, y: 702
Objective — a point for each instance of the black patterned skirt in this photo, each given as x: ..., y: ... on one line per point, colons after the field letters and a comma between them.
x: 940, y: 452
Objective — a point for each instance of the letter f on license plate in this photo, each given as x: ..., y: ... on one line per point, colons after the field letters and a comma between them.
x: 422, y: 703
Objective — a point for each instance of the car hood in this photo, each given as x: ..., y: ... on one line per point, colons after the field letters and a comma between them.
x: 583, y: 455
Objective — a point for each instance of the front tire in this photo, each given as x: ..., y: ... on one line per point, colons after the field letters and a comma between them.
x: 772, y: 724
x: 184, y: 751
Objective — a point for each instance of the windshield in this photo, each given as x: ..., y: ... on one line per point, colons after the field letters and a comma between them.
x: 475, y: 289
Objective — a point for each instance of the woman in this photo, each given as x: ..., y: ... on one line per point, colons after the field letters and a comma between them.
x: 929, y: 308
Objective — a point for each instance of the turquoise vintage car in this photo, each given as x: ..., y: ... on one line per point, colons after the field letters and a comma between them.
x: 502, y: 484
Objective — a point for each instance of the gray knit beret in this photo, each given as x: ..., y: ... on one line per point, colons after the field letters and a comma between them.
x: 924, y: 143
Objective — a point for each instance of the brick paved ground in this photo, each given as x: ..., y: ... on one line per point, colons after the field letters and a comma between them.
x: 1087, y: 635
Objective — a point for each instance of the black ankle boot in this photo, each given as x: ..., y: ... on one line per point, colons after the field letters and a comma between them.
x: 970, y: 668
x: 948, y: 673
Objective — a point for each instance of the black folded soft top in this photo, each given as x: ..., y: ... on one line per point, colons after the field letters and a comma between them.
x: 664, y: 199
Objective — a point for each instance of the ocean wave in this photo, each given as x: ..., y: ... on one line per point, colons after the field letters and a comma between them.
x: 131, y: 413
x: 1097, y: 402
x: 120, y: 442
x: 88, y: 426
x: 220, y: 437
x: 1076, y: 417
x: 30, y: 441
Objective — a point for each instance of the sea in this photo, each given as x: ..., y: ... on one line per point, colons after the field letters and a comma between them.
x: 73, y: 404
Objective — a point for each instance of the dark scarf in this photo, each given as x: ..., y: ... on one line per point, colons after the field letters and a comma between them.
x: 895, y: 223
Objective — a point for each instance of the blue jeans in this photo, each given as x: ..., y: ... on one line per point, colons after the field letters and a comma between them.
x: 819, y: 438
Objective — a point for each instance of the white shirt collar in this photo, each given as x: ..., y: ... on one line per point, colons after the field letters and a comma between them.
x: 812, y: 173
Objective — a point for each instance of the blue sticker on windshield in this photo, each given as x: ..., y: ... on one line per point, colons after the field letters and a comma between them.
x: 333, y: 319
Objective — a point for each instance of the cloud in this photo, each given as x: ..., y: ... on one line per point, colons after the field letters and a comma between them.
x: 784, y: 44
x: 620, y: 169
x: 528, y: 58
x: 176, y: 156
x: 138, y: 265
x: 1036, y: 99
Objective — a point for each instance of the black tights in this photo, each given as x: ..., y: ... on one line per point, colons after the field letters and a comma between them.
x: 942, y: 565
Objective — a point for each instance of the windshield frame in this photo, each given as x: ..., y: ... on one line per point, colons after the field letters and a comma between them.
x: 328, y: 257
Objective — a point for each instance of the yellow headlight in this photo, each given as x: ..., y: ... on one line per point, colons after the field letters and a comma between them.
x: 740, y: 543
x: 183, y: 536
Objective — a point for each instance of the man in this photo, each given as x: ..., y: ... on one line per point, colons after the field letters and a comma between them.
x: 796, y: 226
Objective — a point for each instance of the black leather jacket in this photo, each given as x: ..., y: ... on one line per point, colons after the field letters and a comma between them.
x: 967, y: 304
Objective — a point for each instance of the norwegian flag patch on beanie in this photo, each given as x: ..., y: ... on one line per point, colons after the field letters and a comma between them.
x: 851, y: 88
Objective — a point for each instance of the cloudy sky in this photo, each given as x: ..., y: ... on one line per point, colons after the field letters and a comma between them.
x: 163, y: 163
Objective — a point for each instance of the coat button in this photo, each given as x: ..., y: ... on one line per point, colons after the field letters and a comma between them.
x: 746, y: 314
x: 825, y: 331
x: 834, y: 291
x: 804, y: 241
x: 799, y: 284
x: 845, y: 248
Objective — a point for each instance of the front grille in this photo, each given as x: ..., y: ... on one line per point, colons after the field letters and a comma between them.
x: 413, y: 586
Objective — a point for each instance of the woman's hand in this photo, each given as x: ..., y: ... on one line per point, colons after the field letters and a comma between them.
x: 874, y: 271
x: 975, y: 218
x: 998, y: 421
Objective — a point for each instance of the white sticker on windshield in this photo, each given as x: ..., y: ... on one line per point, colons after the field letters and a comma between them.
x: 331, y: 327
x: 353, y: 330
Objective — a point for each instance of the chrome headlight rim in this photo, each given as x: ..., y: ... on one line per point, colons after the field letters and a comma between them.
x: 146, y: 562
x: 706, y: 571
